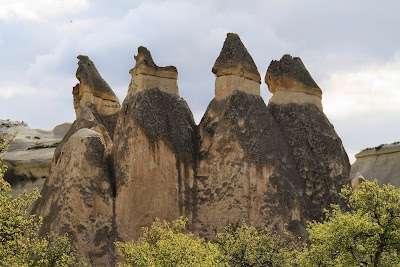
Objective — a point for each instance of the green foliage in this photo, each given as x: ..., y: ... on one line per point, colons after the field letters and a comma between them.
x: 367, y: 235
x: 247, y: 246
x: 20, y: 244
x: 165, y: 245
x: 39, y: 145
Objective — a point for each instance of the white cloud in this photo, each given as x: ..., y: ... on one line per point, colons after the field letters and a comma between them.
x: 8, y: 91
x: 39, y: 9
x: 371, y: 89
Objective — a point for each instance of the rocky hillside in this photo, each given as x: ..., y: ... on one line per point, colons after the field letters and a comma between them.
x: 29, y: 155
x: 381, y: 162
x: 121, y: 166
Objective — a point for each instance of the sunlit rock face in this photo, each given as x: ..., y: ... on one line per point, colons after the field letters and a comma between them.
x: 155, y: 147
x: 78, y: 199
x: 93, y: 89
x: 381, y: 163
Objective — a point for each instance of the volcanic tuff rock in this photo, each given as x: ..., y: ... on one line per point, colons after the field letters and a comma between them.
x: 77, y: 198
x: 266, y: 165
x: 155, y: 146
x: 146, y: 74
x: 92, y: 88
x: 381, y: 162
x: 290, y: 82
x: 235, y: 69
x: 29, y: 155
x: 281, y: 164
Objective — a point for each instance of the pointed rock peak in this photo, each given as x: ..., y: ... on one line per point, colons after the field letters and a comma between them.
x: 234, y: 59
x: 145, y: 65
x: 290, y: 74
x: 87, y: 74
x: 92, y: 88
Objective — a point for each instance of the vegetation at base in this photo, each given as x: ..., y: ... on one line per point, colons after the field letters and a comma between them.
x: 20, y: 244
x: 39, y: 145
x: 367, y: 233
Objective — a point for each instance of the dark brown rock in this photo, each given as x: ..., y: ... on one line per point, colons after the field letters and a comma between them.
x: 235, y: 59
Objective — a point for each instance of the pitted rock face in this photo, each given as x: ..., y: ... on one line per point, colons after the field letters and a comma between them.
x: 93, y: 89
x: 154, y: 153
x: 147, y: 75
x: 235, y: 59
x: 290, y: 82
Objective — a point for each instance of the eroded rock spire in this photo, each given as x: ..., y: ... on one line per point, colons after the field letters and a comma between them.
x: 290, y: 82
x: 93, y: 89
x: 147, y: 75
x: 235, y: 69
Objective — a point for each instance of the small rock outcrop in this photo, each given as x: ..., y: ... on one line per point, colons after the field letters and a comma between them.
x: 155, y: 146
x: 381, y: 163
x: 290, y: 82
x: 235, y: 69
x: 357, y: 180
x: 29, y: 156
x: 146, y: 74
x: 92, y: 88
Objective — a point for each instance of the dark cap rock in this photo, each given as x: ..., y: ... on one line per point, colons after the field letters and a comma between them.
x: 290, y: 74
x: 145, y: 65
x: 234, y: 59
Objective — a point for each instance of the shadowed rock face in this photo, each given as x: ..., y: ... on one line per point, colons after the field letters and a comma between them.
x: 93, y: 89
x: 147, y: 75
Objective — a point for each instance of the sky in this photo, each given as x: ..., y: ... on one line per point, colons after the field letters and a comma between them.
x: 351, y: 48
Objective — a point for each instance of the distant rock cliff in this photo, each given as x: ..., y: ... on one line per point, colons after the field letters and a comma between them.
x: 381, y: 162
x: 29, y: 155
x: 119, y: 168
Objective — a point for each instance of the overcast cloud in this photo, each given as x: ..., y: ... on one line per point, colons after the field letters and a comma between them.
x: 351, y: 48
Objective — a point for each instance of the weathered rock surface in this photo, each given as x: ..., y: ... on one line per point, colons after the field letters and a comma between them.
x: 93, y: 89
x: 290, y: 82
x: 29, y: 155
x: 155, y: 146
x: 77, y: 198
x: 146, y: 74
x: 235, y: 69
x: 276, y: 165
x: 381, y: 162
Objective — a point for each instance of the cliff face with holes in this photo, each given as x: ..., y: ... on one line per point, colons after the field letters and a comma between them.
x: 121, y: 166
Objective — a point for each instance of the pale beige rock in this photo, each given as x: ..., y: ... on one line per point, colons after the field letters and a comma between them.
x: 381, y: 163
x: 225, y: 85
x: 147, y: 75
x: 93, y: 89
x: 355, y: 183
x: 141, y: 82
x: 153, y: 161
x: 287, y: 97
x: 78, y: 200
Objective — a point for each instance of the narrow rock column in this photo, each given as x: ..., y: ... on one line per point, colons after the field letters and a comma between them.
x: 155, y: 143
